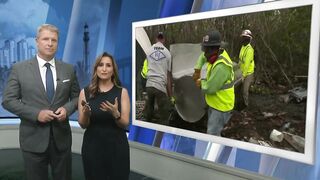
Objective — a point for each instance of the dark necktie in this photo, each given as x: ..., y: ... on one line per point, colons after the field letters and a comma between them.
x: 49, y: 82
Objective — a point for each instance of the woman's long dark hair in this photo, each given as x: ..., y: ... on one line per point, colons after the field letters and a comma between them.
x: 94, y: 85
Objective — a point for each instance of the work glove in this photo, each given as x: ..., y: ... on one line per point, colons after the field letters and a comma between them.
x: 196, y: 75
x: 173, y: 100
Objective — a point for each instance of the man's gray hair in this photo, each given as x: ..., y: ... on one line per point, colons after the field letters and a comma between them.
x: 49, y: 27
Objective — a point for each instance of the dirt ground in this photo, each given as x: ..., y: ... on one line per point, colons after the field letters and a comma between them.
x: 266, y: 111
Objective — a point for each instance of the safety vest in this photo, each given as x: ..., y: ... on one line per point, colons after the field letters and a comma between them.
x: 246, y: 54
x: 144, y: 70
x: 222, y: 100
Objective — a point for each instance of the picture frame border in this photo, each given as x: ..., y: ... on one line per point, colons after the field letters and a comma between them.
x: 308, y: 156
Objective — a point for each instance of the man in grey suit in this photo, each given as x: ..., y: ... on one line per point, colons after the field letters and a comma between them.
x: 43, y: 96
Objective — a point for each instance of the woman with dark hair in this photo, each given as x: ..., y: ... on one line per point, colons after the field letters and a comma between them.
x: 104, y: 108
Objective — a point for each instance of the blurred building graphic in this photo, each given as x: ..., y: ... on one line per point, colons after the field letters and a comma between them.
x: 11, y: 47
x: 13, y: 52
x: 22, y: 50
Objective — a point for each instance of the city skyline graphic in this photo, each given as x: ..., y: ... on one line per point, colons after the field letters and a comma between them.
x: 13, y: 52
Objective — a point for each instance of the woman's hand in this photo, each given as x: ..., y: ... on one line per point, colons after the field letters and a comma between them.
x: 112, y: 108
x: 86, y: 108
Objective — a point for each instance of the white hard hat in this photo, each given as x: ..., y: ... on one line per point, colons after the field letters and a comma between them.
x: 246, y: 33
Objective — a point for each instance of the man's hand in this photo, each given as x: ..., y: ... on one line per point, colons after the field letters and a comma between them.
x: 196, y: 75
x: 46, y: 115
x: 61, y: 114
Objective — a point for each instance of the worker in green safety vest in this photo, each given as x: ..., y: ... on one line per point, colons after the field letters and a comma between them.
x: 214, y: 75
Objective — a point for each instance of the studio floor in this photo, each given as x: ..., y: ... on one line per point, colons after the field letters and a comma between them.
x: 11, y: 167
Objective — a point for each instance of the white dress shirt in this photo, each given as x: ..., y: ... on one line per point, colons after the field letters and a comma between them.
x: 43, y: 70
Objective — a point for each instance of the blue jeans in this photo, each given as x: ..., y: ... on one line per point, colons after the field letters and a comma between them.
x: 217, y: 120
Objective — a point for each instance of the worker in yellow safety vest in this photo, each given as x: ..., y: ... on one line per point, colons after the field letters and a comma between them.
x: 246, y: 62
x: 214, y: 75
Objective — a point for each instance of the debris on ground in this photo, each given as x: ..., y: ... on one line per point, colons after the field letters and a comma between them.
x: 295, y: 141
x: 298, y: 93
x: 276, y: 135
x: 273, y: 118
x: 265, y: 114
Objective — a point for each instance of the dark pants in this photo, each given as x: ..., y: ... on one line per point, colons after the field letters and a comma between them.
x: 143, y: 84
x: 36, y: 164
x: 155, y: 95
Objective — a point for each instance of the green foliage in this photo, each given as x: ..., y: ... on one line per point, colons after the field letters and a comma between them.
x: 281, y: 39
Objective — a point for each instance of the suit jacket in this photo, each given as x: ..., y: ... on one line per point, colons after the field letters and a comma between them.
x: 25, y: 96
